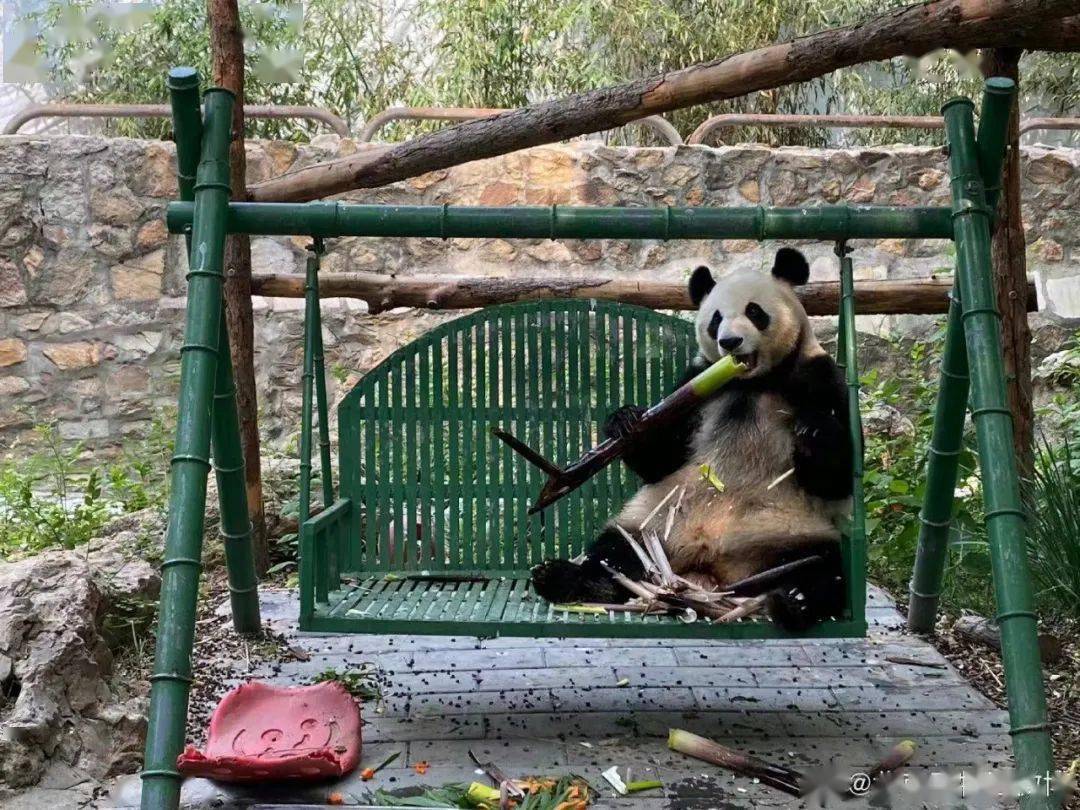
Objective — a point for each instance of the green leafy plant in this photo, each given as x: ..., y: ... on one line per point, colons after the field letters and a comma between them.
x: 57, y: 496
x: 45, y: 501
x: 1054, y: 529
x: 895, y: 483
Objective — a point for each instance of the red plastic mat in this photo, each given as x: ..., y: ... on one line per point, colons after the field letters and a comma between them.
x: 259, y: 731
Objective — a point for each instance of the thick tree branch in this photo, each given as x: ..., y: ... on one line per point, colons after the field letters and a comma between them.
x: 382, y: 292
x: 1010, y: 274
x: 911, y: 30
x: 227, y: 57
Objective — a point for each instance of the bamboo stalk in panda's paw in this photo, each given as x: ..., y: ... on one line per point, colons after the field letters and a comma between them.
x: 684, y: 399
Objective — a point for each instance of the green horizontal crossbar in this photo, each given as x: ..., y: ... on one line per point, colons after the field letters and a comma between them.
x: 829, y: 222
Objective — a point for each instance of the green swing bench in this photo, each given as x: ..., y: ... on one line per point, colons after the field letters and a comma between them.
x: 430, y: 533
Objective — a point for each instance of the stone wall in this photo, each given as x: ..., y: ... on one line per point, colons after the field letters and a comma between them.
x: 91, y: 285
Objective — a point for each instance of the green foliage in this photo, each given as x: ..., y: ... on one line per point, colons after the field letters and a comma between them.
x: 895, y: 482
x: 358, y: 57
x: 1054, y: 527
x: 44, y: 502
x: 351, y: 62
x: 57, y: 497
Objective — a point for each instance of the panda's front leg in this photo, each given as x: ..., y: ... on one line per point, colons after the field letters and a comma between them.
x: 823, y: 455
x: 564, y: 581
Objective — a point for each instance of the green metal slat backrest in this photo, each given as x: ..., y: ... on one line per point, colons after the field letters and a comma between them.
x: 436, y: 491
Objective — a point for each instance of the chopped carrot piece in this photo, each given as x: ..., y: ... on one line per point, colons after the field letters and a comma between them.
x: 367, y: 774
x: 421, y: 767
x: 335, y: 798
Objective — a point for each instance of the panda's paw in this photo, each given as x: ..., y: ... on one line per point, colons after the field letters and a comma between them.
x: 564, y: 582
x: 790, y: 609
x: 622, y: 421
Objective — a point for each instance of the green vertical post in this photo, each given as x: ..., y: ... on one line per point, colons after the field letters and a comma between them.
x: 945, y: 445
x: 235, y: 526
x: 856, y: 562
x: 319, y: 369
x: 171, y: 681
x: 225, y: 436
x: 941, y: 472
x: 315, y: 554
x: 337, y: 539
x: 1001, y: 491
x: 993, y: 135
x: 306, y: 388
x: 183, y: 83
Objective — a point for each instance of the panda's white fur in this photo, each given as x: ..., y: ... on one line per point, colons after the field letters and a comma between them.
x: 720, y: 533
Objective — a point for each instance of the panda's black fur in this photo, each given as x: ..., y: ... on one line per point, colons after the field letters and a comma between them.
x: 790, y: 410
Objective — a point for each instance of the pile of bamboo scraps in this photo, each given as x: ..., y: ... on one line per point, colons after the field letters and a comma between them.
x: 662, y: 591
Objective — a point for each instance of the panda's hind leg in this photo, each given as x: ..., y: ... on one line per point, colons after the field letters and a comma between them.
x: 563, y: 581
x: 809, y: 594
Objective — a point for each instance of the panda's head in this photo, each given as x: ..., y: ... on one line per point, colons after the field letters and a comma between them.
x: 754, y: 316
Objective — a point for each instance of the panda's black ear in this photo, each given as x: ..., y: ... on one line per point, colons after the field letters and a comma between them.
x: 701, y: 281
x: 791, y: 266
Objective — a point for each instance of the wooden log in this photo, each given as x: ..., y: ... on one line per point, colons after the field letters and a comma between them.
x: 911, y: 30
x: 986, y: 632
x: 382, y: 292
x: 227, y: 67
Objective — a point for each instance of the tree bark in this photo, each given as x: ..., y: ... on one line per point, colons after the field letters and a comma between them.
x: 1010, y: 273
x: 227, y: 56
x: 911, y: 30
x: 918, y: 297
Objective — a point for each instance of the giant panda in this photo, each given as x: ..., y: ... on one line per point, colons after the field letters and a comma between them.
x: 789, y: 410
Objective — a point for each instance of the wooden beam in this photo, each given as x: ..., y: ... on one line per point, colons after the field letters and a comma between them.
x: 911, y: 30
x: 227, y: 65
x: 917, y: 297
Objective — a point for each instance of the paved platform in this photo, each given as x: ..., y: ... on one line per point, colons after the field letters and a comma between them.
x: 553, y: 706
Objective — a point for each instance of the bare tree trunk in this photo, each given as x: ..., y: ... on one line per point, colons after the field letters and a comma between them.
x: 227, y: 55
x: 914, y: 30
x: 916, y: 296
x: 1010, y: 273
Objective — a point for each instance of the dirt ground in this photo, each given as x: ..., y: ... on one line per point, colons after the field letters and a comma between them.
x: 983, y: 667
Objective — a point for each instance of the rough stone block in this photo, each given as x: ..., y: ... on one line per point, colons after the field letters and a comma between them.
x: 139, y: 279
x: 72, y: 356
x: 12, y: 351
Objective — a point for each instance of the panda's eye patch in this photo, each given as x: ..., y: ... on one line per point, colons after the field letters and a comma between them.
x: 758, y: 317
x: 714, y: 324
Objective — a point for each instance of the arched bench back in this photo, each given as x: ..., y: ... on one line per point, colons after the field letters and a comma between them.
x: 436, y: 491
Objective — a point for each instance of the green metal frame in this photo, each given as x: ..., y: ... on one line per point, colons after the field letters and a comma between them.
x: 345, y: 535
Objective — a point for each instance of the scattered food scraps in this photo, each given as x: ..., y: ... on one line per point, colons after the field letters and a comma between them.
x: 569, y: 792
x: 421, y: 767
x: 590, y: 609
x: 611, y: 776
x: 369, y: 773
x: 713, y: 481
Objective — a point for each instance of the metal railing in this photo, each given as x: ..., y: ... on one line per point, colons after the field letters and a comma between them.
x: 729, y: 120
x: 655, y: 123
x: 334, y: 122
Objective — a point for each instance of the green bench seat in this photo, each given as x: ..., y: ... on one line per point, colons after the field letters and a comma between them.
x: 431, y: 534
